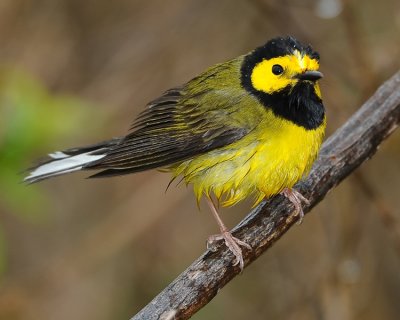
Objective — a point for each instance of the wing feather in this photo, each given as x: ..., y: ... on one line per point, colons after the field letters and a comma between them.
x: 182, y: 123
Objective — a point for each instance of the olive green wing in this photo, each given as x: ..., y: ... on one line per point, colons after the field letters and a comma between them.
x: 182, y: 123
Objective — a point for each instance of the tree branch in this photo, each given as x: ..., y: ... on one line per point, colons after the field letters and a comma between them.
x: 356, y: 141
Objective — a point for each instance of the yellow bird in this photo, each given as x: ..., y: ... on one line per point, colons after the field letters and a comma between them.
x: 248, y: 127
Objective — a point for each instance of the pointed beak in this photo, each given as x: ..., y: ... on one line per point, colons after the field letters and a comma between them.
x: 310, y: 75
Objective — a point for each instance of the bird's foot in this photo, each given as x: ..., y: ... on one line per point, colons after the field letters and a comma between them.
x: 296, y: 198
x: 233, y: 245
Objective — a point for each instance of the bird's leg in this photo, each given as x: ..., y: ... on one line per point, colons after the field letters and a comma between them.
x: 231, y: 242
x: 296, y: 198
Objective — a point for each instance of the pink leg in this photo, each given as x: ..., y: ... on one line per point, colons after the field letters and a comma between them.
x: 231, y: 242
x: 296, y: 198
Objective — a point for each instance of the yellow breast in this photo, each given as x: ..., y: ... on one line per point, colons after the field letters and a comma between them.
x: 275, y: 155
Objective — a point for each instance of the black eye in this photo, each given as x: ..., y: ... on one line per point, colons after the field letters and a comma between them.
x: 277, y: 69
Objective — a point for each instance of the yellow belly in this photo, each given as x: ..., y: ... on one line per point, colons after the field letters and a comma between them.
x: 275, y: 155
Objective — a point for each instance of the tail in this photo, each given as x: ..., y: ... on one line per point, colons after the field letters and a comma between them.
x: 62, y: 162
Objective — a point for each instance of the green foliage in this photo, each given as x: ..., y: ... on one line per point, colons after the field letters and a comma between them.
x: 32, y: 121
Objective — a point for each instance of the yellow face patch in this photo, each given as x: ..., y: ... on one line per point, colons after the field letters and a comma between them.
x: 263, y: 78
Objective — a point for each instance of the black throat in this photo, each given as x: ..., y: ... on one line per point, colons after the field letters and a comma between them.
x: 299, y: 104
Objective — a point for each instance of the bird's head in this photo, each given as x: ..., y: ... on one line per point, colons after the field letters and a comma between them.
x: 283, y: 74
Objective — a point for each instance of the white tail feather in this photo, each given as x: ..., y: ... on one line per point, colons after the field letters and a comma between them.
x: 61, y: 164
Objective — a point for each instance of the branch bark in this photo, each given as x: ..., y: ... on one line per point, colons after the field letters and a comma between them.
x: 356, y: 141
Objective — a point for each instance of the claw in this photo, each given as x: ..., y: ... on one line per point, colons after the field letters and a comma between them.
x: 233, y: 245
x: 296, y: 198
x: 231, y: 242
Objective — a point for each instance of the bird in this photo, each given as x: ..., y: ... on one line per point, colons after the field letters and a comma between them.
x: 250, y: 127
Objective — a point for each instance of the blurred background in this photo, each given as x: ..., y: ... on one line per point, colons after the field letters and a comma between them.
x: 75, y: 72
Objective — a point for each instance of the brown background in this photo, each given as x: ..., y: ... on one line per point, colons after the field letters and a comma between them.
x: 101, y: 249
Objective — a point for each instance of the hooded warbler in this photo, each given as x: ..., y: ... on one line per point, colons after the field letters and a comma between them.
x: 248, y: 127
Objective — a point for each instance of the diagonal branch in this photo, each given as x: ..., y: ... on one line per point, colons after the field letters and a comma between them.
x: 356, y: 141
